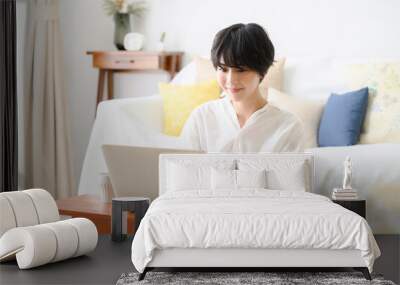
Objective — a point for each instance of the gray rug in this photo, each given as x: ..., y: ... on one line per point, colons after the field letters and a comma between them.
x: 270, y: 278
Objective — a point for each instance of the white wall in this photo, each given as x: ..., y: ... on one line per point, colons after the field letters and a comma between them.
x: 340, y: 28
x: 297, y: 28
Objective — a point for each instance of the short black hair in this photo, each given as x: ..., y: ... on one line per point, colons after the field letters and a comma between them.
x: 243, y: 45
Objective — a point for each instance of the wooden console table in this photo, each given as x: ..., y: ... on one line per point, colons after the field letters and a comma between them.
x: 109, y: 62
x: 92, y: 208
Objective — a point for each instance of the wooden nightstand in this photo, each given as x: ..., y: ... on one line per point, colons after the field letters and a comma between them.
x: 109, y: 62
x: 357, y: 206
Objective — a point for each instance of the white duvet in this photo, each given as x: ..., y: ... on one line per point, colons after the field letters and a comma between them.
x: 252, y: 218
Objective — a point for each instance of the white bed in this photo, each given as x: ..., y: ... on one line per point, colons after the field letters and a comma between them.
x: 200, y: 226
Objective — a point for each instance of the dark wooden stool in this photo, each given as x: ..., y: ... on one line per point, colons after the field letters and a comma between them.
x: 137, y: 205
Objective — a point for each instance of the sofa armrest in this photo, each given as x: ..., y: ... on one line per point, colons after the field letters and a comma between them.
x: 129, y: 121
x: 375, y: 176
x: 147, y: 111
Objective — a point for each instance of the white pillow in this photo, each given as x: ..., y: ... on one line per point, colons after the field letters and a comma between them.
x: 181, y: 177
x: 223, y: 179
x: 288, y: 174
x: 237, y: 179
x: 307, y: 111
x: 186, y: 75
x: 291, y: 178
x: 251, y: 178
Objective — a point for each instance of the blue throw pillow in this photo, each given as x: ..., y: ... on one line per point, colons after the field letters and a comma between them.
x: 342, y: 118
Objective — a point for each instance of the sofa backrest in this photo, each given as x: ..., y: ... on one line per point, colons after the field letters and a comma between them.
x: 287, y: 164
x: 26, y: 208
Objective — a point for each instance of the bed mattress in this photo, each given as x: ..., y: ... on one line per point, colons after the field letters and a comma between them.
x: 250, y: 219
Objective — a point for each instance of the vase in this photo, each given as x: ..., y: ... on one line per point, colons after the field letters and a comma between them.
x: 122, y: 27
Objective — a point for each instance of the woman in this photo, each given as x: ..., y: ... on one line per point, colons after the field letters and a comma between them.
x: 242, y: 121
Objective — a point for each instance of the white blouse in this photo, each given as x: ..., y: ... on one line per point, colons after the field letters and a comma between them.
x: 214, y: 127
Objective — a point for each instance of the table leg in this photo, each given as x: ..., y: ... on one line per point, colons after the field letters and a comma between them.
x: 116, y: 229
x: 140, y: 210
x: 172, y: 67
x: 110, y: 84
x: 100, y: 86
x: 178, y: 63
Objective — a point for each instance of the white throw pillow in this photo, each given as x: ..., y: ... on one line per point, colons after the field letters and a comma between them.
x: 307, y: 111
x: 251, y: 178
x: 288, y: 174
x: 181, y: 177
x: 223, y: 179
x: 187, y: 75
x: 237, y: 179
x: 290, y: 178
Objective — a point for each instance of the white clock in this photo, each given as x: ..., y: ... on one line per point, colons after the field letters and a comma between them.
x: 133, y: 41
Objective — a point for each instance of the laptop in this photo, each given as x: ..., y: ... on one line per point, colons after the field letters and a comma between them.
x: 133, y: 170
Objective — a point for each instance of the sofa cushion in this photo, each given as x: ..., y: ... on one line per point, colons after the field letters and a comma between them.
x: 312, y: 77
x: 204, y: 71
x: 382, y: 120
x: 307, y: 111
x: 274, y: 77
x: 342, y: 118
x: 180, y: 100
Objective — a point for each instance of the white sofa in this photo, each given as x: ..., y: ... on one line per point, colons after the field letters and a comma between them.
x: 139, y: 121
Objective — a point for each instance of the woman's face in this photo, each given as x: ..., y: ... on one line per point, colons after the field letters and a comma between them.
x: 239, y: 83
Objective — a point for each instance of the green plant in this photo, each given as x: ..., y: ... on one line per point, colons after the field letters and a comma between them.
x: 162, y: 37
x: 136, y: 8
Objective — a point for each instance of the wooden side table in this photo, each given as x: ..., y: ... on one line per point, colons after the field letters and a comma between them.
x: 92, y: 208
x: 357, y: 206
x: 109, y: 62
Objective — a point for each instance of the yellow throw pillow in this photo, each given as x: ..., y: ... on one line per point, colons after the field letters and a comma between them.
x: 274, y: 78
x: 180, y: 100
x: 382, y: 120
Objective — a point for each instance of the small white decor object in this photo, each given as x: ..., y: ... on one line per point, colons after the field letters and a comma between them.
x: 160, y: 43
x: 107, y: 192
x: 133, y: 41
x: 346, y: 192
x: 347, y: 174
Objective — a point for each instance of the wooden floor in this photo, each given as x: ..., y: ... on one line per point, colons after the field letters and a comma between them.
x: 110, y: 260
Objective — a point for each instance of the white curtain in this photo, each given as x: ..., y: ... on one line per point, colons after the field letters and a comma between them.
x: 48, y: 160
